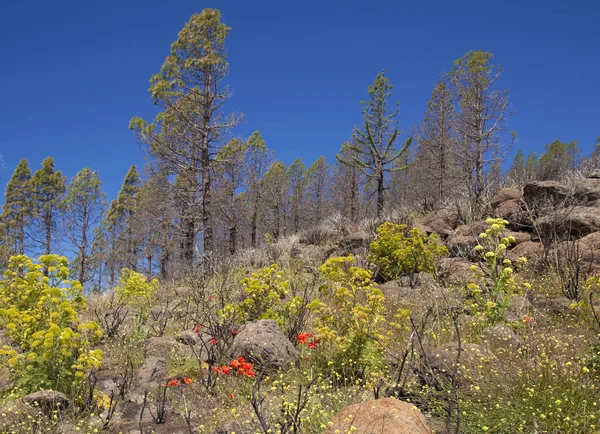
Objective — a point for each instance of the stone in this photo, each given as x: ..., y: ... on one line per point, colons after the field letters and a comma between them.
x: 263, y: 343
x: 508, y: 209
x: 441, y: 222
x: 455, y: 270
x: 188, y: 338
x: 531, y: 250
x: 381, y: 416
x: 545, y: 194
x: 48, y: 401
x: 505, y: 195
x: 575, y: 222
x: 150, y: 375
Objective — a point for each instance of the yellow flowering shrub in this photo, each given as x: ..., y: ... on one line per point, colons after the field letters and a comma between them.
x: 351, y: 317
x: 488, y: 299
x: 39, y: 308
x: 399, y: 254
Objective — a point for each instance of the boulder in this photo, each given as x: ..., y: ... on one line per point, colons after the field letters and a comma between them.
x: 150, y: 375
x: 520, y: 237
x: 187, y: 338
x: 455, y: 270
x: 507, y: 210
x: 575, y: 222
x: 441, y: 222
x: 540, y: 194
x: 263, y: 343
x: 530, y: 250
x: 48, y: 401
x: 505, y: 195
x: 381, y: 416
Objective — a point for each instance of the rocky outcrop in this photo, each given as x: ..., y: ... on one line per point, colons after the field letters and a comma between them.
x: 502, y: 336
x: 381, y: 416
x: 263, y: 343
x: 441, y: 222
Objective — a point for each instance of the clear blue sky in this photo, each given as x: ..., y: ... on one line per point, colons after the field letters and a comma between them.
x: 74, y: 72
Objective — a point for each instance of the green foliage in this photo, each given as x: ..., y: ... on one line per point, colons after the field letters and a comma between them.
x: 40, y: 309
x: 557, y: 159
x: 17, y: 208
x: 47, y: 189
x: 135, y: 289
x: 264, y: 291
x: 397, y: 254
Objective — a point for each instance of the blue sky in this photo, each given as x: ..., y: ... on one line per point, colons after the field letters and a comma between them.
x: 74, y: 72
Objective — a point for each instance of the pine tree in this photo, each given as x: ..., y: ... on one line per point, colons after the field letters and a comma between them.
x: 229, y: 179
x: 317, y: 182
x: 47, y: 189
x: 190, y: 91
x: 298, y: 179
x: 17, y: 209
x: 276, y: 187
x: 479, y: 118
x: 437, y: 144
x: 517, y: 172
x: 374, y: 144
x: 558, y: 158
x: 120, y: 225
x: 83, y: 209
x: 258, y: 161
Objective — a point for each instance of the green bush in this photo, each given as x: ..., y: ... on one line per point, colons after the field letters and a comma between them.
x: 397, y: 253
x: 40, y: 308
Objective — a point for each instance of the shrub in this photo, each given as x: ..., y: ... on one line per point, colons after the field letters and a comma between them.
x: 494, y: 276
x: 397, y: 253
x: 40, y: 308
x: 350, y: 318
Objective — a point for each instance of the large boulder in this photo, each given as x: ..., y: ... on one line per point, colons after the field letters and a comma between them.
x: 574, y: 222
x: 441, y: 222
x: 263, y: 343
x: 545, y: 194
x: 505, y: 195
x: 381, y: 416
x: 530, y: 250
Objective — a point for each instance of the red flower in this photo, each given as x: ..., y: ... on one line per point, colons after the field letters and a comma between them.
x: 302, y: 338
x: 217, y: 369
x: 212, y: 297
x: 225, y: 369
x: 235, y: 364
x: 214, y: 341
x: 240, y: 372
x: 173, y: 383
x: 241, y: 359
x: 230, y: 396
x: 312, y: 345
x: 250, y: 374
x: 527, y: 319
x: 234, y: 332
x: 247, y: 366
x: 198, y: 327
x: 187, y: 380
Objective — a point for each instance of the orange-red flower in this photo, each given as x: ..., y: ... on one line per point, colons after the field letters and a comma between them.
x: 214, y: 341
x: 225, y: 369
x: 234, y: 332
x: 187, y: 380
x: 234, y: 364
x: 173, y: 383
x: 198, y: 327
x: 250, y: 374
x: 230, y: 396
x: 527, y: 319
